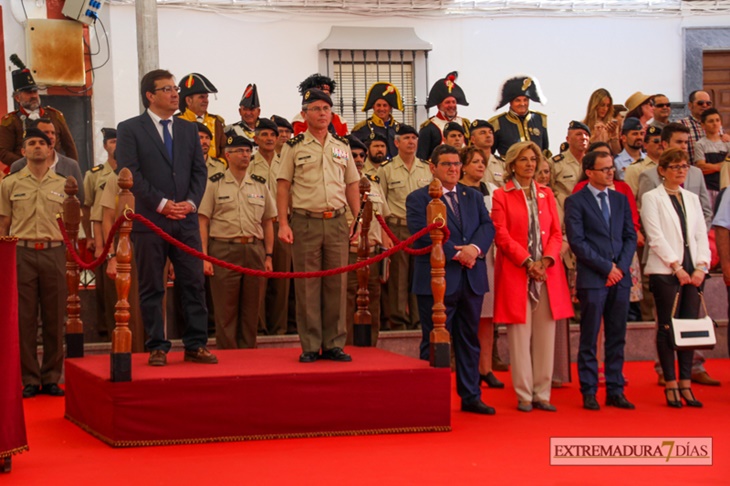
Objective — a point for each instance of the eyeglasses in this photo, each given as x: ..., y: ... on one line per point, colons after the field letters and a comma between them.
x: 662, y: 105
x: 704, y: 103
x: 168, y: 89
x: 678, y: 167
x: 606, y: 170
x: 455, y: 165
x: 317, y: 109
x: 239, y: 151
x: 356, y: 155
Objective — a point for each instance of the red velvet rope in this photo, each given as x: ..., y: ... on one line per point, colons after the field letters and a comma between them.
x: 410, y: 251
x: 236, y: 268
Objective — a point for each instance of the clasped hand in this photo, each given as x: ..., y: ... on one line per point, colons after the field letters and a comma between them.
x: 536, y: 271
x: 467, y: 255
x: 176, y: 211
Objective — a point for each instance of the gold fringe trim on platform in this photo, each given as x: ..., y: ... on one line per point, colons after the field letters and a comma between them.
x: 242, y: 438
x: 12, y: 452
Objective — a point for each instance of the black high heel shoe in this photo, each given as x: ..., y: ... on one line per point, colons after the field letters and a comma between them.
x: 675, y: 402
x: 691, y: 401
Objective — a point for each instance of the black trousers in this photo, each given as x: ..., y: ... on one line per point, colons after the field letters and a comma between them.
x: 665, y: 288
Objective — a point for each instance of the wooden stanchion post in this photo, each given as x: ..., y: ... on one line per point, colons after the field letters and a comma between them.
x: 121, y: 356
x: 362, y: 327
x: 71, y: 220
x: 440, y: 340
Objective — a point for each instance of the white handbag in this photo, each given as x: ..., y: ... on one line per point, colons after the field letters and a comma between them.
x: 693, y: 333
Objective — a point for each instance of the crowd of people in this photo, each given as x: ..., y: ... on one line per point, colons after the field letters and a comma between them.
x: 620, y: 215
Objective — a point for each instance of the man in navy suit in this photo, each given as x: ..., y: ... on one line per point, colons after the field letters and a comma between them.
x: 164, y: 155
x: 472, y: 232
x: 601, y: 234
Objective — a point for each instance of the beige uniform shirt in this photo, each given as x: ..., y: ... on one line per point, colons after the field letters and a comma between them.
x: 215, y: 166
x: 396, y: 182
x: 565, y: 174
x: 496, y: 171
x: 33, y: 204
x: 632, y: 173
x: 234, y: 209
x: 94, y: 183
x: 369, y: 168
x: 379, y: 205
x: 318, y: 173
x: 261, y: 167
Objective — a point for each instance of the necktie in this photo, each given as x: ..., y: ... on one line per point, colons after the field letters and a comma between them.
x: 166, y: 136
x: 454, y: 203
x: 604, y: 207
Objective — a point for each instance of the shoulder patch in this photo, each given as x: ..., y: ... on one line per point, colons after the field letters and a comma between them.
x: 373, y: 178
x: 216, y: 177
x: 558, y: 158
x: 258, y: 178
x: 96, y: 168
x: 293, y: 141
x: 359, y: 125
x: 424, y: 124
x: 638, y: 161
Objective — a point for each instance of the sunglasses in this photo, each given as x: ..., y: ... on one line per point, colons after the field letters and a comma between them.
x: 662, y: 105
x: 704, y: 103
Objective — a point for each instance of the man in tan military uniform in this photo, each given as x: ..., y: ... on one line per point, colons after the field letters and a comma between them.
x: 653, y: 148
x: 567, y: 166
x: 265, y: 164
x: 94, y: 182
x: 213, y: 164
x: 398, y: 178
x: 285, y: 133
x: 194, y: 91
x: 376, y: 154
x: 236, y: 226
x: 29, y: 202
x: 482, y: 137
x: 377, y: 238
x: 318, y: 172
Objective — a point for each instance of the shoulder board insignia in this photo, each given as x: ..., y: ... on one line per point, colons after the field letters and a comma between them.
x: 424, y: 124
x: 216, y: 177
x: 386, y: 163
x: 258, y: 178
x: 499, y: 157
x: 102, y: 186
x: 558, y: 158
x: 359, y: 125
x: 8, y: 119
x: 638, y: 161
x: 293, y: 141
x: 219, y: 118
x: 96, y: 168
x: 342, y: 139
x: 217, y: 160
x: 373, y: 178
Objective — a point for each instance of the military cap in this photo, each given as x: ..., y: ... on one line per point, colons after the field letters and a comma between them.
x: 36, y: 133
x: 476, y: 124
x: 250, y: 98
x: 356, y: 143
x: 22, y: 79
x: 109, y: 133
x: 453, y: 127
x: 238, y: 141
x: 383, y: 91
x: 445, y: 87
x: 314, y: 94
x: 266, y: 124
x: 653, y: 131
x: 375, y: 137
x: 403, y: 129
x: 521, y: 86
x: 576, y: 125
x: 630, y: 124
x: 282, y: 122
x: 318, y: 81
x: 195, y: 83
x: 204, y: 129
x: 636, y: 100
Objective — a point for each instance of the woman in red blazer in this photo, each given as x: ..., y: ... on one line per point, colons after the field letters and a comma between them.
x: 531, y: 290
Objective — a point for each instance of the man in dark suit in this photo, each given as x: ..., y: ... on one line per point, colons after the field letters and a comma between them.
x: 601, y: 234
x: 169, y: 175
x: 472, y: 233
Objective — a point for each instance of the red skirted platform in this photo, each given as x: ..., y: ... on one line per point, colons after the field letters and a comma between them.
x: 257, y: 394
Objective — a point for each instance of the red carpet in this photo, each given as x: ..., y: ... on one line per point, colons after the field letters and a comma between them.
x: 256, y: 394
x: 509, y: 448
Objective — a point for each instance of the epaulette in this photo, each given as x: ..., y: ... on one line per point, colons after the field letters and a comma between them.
x: 96, y: 168
x: 258, y: 178
x: 558, y: 158
x: 385, y: 163
x: 102, y: 186
x: 293, y: 141
x: 499, y: 157
x: 373, y: 178
x: 7, y: 119
x: 424, y: 124
x: 50, y: 108
x: 219, y: 118
x: 494, y: 121
x: 217, y: 160
x: 342, y: 139
x: 216, y: 177
x: 359, y: 125
x: 638, y: 161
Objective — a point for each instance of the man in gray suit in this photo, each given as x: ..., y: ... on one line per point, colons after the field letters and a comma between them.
x: 60, y: 164
x: 676, y: 135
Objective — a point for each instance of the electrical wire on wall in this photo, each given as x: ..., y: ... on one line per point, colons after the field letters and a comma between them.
x: 91, y: 55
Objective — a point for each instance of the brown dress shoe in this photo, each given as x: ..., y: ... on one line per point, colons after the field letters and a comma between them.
x: 200, y: 355
x: 704, y: 379
x: 157, y: 358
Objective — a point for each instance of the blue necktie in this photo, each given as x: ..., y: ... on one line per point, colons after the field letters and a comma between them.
x: 454, y: 203
x: 166, y: 136
x: 604, y: 207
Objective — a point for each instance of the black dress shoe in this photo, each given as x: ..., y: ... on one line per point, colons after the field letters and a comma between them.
x: 52, y: 390
x: 310, y: 357
x: 477, y: 406
x: 491, y: 380
x: 619, y: 401
x: 29, y: 391
x: 590, y: 402
x: 336, y: 354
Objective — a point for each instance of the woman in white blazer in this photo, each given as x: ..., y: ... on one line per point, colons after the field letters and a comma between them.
x: 679, y: 256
